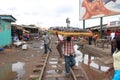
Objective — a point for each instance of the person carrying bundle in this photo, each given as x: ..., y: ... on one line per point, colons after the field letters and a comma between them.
x: 68, y: 53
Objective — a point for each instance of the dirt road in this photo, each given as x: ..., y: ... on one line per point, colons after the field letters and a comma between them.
x: 29, y: 58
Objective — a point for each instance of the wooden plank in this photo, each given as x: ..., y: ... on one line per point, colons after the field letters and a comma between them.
x: 52, y: 60
x: 52, y: 64
x: 59, y: 65
x: 39, y: 65
x: 42, y: 60
x: 33, y: 76
x: 37, y: 69
x: 79, y: 75
x: 106, y: 60
x: 103, y: 61
x: 43, y: 57
x: 54, y: 55
x: 54, y: 75
x: 55, y: 68
x: 75, y: 67
x: 59, y: 60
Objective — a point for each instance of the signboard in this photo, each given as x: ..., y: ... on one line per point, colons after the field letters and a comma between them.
x: 98, y: 8
x: 115, y: 23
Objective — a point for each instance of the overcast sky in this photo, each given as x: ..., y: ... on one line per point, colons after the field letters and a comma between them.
x: 46, y: 13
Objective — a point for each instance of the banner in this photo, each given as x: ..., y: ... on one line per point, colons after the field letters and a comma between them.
x: 98, y: 8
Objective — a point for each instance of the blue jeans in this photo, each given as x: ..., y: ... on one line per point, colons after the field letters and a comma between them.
x: 69, y: 62
x: 46, y: 47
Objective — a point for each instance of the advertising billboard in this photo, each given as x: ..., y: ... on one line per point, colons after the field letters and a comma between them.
x: 98, y: 8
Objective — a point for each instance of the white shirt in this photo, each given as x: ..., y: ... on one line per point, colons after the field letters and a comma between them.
x: 116, y: 58
x: 112, y: 35
x: 46, y: 39
x: 60, y: 37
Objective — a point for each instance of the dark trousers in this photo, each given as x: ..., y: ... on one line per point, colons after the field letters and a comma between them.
x: 90, y: 40
x: 59, y: 48
x: 112, y: 49
x: 46, y: 48
x: 69, y: 62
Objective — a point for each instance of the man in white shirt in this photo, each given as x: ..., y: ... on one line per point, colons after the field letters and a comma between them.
x: 112, y: 35
x: 46, y: 43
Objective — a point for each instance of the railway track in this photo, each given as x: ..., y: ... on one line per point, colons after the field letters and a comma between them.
x: 51, y: 67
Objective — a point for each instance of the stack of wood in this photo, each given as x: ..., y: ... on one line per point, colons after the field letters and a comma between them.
x: 70, y: 31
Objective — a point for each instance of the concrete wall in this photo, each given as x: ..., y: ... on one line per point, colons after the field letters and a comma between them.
x: 5, y: 33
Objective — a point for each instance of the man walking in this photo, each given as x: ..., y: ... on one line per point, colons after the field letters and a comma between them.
x: 47, y: 41
x: 69, y: 54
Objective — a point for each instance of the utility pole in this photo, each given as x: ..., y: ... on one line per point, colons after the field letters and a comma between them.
x: 83, y: 24
x: 101, y: 27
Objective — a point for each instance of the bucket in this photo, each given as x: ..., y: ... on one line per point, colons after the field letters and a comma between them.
x: 1, y: 49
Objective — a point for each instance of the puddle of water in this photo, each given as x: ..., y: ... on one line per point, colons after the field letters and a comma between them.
x: 52, y: 59
x: 104, y: 68
x: 18, y: 67
x: 38, y: 51
x: 53, y: 62
x: 41, y: 47
x: 32, y: 55
x: 6, y: 72
x: 53, y: 72
x: 87, y: 59
x: 12, y: 71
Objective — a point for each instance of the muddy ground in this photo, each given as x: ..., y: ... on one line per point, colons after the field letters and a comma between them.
x: 31, y: 57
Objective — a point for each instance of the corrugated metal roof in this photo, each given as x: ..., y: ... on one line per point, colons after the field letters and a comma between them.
x: 27, y: 26
x: 8, y: 18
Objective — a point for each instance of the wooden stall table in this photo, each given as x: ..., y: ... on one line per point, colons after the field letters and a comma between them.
x: 102, y: 42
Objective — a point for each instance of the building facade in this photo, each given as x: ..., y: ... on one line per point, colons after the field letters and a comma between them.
x: 5, y: 29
